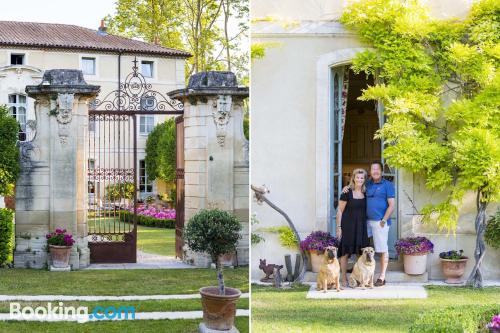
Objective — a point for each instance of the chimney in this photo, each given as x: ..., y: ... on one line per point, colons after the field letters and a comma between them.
x: 102, y: 29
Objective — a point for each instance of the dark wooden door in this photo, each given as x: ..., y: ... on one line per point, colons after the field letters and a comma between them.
x: 179, y: 206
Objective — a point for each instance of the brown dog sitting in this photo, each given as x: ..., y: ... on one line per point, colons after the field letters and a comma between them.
x: 364, y: 269
x: 329, y: 273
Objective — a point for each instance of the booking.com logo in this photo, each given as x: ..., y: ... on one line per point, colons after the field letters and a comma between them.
x: 80, y: 314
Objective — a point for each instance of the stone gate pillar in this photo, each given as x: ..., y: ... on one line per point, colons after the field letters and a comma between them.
x: 215, y: 151
x: 52, y: 188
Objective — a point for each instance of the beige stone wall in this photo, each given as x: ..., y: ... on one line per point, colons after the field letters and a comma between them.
x: 216, y: 175
x: 297, y: 10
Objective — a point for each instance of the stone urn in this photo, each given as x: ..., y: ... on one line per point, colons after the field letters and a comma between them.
x: 316, y: 260
x: 453, y: 269
x: 60, y: 255
x: 415, y: 264
x: 219, y: 310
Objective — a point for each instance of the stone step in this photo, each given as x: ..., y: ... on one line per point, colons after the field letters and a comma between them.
x: 394, y: 274
x: 390, y: 276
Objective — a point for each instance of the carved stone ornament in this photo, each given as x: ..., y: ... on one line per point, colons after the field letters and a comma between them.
x: 29, y: 153
x: 221, y: 114
x: 64, y: 106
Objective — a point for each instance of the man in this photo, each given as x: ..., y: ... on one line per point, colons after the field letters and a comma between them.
x: 379, y: 207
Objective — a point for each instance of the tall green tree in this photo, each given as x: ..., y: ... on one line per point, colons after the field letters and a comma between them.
x: 9, y: 158
x: 193, y: 25
x: 439, y: 83
x: 160, y: 152
x: 154, y: 21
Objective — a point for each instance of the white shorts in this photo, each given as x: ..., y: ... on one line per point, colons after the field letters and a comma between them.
x: 380, y: 236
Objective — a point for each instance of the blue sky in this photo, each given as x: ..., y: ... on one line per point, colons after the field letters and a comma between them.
x: 85, y: 13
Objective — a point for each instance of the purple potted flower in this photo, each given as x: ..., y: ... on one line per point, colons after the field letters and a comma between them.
x: 494, y: 324
x: 453, y: 265
x: 414, y: 251
x: 315, y: 244
x: 60, y: 243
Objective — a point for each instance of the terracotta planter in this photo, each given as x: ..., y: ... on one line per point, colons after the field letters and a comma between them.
x: 453, y: 269
x: 415, y: 264
x: 219, y: 310
x: 60, y: 255
x: 316, y: 260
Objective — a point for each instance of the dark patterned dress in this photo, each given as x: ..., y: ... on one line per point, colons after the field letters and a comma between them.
x: 354, y: 228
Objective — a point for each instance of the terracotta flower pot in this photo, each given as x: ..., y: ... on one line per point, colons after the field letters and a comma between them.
x: 415, y: 264
x: 219, y: 310
x: 316, y: 260
x: 453, y: 269
x: 60, y: 255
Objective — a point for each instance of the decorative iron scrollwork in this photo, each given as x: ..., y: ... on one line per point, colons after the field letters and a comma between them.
x: 135, y: 94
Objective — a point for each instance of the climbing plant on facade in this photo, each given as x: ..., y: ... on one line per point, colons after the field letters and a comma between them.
x: 439, y: 84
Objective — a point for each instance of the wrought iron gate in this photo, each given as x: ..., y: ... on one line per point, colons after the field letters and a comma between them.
x: 179, y: 202
x: 112, y: 175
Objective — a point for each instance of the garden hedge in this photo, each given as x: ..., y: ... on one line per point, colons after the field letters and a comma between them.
x: 148, y: 221
x: 6, y: 235
x: 460, y: 319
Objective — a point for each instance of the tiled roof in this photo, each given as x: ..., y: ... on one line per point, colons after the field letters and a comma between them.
x: 66, y: 36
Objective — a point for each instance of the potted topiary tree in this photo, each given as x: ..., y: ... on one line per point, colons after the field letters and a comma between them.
x: 60, y: 244
x: 216, y: 233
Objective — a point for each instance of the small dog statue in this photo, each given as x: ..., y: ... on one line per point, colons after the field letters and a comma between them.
x: 268, y: 269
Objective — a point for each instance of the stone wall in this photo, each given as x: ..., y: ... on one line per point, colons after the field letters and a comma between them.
x: 215, y: 152
x: 52, y: 187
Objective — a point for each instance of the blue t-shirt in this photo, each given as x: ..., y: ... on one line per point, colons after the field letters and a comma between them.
x: 376, y: 199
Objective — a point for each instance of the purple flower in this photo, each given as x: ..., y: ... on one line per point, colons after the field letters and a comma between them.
x: 414, y: 245
x: 317, y: 241
x: 495, y: 322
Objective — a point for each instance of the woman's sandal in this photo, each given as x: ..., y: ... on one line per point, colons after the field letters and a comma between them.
x: 380, y: 283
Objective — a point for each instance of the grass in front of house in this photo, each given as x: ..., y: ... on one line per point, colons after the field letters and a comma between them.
x: 117, y: 282
x: 289, y: 311
x: 140, y: 306
x: 156, y: 240
x: 142, y: 326
x: 151, y: 240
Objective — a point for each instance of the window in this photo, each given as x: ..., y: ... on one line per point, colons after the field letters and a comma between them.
x: 146, y: 124
x: 147, y: 68
x: 17, y: 109
x: 91, y: 164
x: 17, y: 59
x: 145, y: 186
x: 88, y: 66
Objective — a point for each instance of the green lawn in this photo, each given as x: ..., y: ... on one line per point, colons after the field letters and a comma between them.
x: 289, y: 311
x: 142, y: 326
x: 156, y: 240
x: 150, y: 240
x: 116, y: 282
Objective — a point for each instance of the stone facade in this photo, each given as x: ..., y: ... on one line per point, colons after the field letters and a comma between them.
x: 52, y: 189
x: 215, y: 152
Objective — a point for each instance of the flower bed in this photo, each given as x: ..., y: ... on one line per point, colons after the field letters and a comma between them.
x: 150, y: 217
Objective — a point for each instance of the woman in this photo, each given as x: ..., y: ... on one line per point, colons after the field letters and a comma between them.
x: 351, y: 220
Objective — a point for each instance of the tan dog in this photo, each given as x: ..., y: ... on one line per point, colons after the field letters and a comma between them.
x: 364, y: 269
x: 329, y: 273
